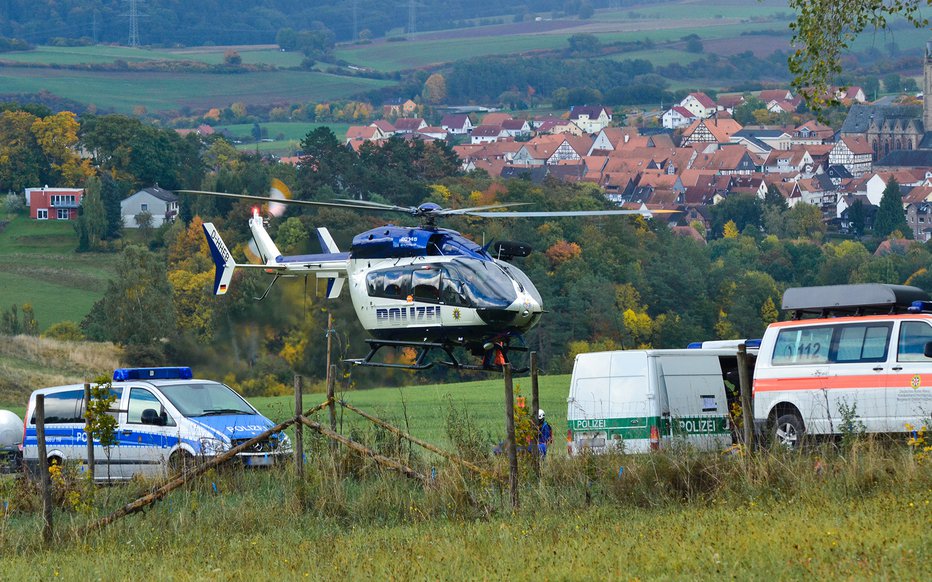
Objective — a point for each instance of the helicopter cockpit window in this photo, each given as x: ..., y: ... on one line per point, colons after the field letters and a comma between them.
x: 426, y: 284
x: 482, y: 284
x: 391, y: 284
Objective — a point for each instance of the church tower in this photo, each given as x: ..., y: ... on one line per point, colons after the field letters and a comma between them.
x: 927, y: 89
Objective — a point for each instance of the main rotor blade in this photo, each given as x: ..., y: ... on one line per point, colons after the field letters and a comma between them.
x: 369, y: 205
x: 447, y: 211
x: 560, y: 213
x: 277, y: 201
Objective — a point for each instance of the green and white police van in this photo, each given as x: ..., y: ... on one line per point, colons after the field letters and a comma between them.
x: 640, y: 400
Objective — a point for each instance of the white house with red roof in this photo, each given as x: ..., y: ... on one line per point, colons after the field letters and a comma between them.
x: 699, y: 104
x: 677, y: 116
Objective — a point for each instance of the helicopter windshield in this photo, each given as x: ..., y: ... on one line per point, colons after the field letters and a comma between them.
x: 524, y: 281
x: 463, y: 283
x: 477, y: 284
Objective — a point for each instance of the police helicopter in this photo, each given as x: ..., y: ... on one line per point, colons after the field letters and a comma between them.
x: 427, y: 288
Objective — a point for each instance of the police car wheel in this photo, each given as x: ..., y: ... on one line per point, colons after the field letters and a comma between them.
x: 180, y: 462
x: 788, y: 431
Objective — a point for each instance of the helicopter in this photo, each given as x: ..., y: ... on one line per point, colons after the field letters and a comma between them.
x: 426, y: 287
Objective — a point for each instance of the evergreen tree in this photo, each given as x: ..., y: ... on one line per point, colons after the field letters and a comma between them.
x: 91, y: 224
x: 111, y: 194
x: 890, y: 216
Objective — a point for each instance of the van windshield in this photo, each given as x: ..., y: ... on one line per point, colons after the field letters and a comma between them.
x: 206, y: 399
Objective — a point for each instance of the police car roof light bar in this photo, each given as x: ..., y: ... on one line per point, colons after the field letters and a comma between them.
x: 166, y: 373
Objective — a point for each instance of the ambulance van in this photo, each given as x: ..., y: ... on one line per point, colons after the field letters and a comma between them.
x: 639, y: 400
x: 857, y: 353
x: 165, y: 418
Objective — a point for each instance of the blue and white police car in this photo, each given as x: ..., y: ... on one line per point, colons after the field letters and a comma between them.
x: 165, y: 420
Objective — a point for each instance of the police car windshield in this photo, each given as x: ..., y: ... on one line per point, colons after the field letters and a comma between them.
x: 206, y: 399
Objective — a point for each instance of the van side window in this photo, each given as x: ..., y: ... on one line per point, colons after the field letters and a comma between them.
x: 912, y: 341
x: 141, y: 400
x: 63, y: 408
x: 806, y: 345
x: 863, y: 343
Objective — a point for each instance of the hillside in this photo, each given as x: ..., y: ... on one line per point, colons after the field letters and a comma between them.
x: 29, y: 362
x: 39, y: 266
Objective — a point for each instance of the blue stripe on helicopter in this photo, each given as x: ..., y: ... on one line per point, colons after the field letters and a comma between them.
x: 396, y: 241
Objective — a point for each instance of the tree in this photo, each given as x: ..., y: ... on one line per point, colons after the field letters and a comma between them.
x: 824, y: 30
x: 805, y: 221
x: 890, y: 216
x: 22, y: 162
x: 584, y: 43
x: 91, y: 224
x: 857, y: 218
x: 435, y: 89
x: 231, y: 57
x: 144, y: 220
x: 136, y: 309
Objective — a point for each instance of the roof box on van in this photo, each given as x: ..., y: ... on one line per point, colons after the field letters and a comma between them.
x: 864, y: 299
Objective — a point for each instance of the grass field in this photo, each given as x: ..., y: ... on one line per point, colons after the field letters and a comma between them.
x: 39, y: 266
x: 123, y: 91
x: 97, y: 54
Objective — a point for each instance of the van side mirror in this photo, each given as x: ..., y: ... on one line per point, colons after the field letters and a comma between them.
x: 927, y: 351
x: 150, y: 416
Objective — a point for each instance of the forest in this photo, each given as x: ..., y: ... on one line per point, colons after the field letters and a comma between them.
x: 607, y: 282
x: 168, y: 23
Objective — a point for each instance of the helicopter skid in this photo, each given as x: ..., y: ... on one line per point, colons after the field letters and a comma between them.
x: 424, y: 349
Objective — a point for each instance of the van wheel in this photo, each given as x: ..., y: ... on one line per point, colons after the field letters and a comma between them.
x: 788, y: 431
x: 180, y: 462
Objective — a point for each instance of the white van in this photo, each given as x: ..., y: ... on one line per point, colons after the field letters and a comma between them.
x: 866, y: 352
x: 639, y: 400
x: 165, y: 418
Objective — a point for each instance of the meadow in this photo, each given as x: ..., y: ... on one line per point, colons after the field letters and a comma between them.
x: 39, y: 266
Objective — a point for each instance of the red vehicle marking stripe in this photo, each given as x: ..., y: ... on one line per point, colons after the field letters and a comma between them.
x: 865, y: 381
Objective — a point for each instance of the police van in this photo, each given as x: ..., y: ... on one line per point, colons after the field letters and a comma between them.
x: 859, y: 353
x: 165, y: 419
x: 639, y: 400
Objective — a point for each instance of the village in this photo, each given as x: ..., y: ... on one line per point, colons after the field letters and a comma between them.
x: 699, y: 154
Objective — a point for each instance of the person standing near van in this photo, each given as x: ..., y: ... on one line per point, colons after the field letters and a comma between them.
x: 544, y: 433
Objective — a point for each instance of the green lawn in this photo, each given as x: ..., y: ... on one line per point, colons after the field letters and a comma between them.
x: 38, y: 265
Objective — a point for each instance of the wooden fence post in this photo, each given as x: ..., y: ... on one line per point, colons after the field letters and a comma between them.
x: 747, y: 411
x: 535, y: 406
x: 45, y: 482
x: 90, y: 437
x: 298, y: 428
x: 510, y: 436
x: 333, y: 406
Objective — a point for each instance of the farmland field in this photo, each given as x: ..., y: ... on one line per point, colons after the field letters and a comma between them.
x: 122, y: 91
x: 258, y: 54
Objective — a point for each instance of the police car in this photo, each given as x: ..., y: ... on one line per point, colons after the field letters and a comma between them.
x: 165, y: 419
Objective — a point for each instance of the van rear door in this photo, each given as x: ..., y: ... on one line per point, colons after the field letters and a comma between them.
x: 696, y: 398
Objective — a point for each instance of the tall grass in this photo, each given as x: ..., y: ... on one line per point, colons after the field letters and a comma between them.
x: 672, y: 514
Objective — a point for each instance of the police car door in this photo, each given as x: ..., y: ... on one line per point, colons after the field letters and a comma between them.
x: 144, y: 436
x: 695, y: 391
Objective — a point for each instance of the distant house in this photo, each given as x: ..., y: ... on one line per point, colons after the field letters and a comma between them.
x: 677, y: 116
x: 516, y: 127
x: 160, y: 203
x: 53, y: 203
x: 591, y: 118
x: 364, y: 133
x: 487, y: 134
x: 399, y: 108
x: 710, y: 131
x: 456, y: 124
x: 699, y: 104
x: 409, y: 125
x: 854, y: 153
